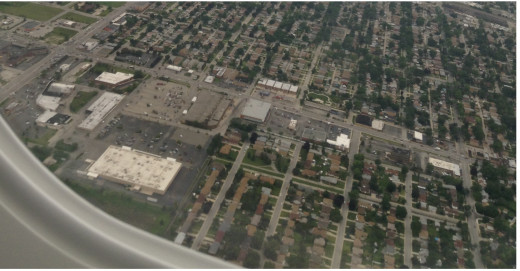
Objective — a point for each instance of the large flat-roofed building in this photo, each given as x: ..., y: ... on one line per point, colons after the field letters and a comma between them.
x: 314, y: 135
x: 144, y: 172
x: 256, y: 110
x: 99, y: 109
x: 443, y: 165
x: 114, y: 79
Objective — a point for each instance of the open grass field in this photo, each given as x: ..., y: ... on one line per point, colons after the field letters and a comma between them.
x: 72, y: 16
x: 59, y: 35
x: 112, y: 4
x: 29, y: 10
x: 44, y: 139
x: 81, y: 99
x: 143, y: 215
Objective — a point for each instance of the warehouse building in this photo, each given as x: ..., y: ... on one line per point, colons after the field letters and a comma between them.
x: 143, y: 172
x: 445, y: 166
x: 100, y: 109
x: 114, y: 79
x: 48, y: 102
x: 59, y: 89
x: 256, y: 110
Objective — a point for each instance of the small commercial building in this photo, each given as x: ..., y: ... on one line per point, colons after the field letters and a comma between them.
x: 141, y: 171
x: 174, y: 68
x: 311, y: 134
x: 256, y: 110
x: 417, y: 136
x: 445, y: 166
x: 100, y: 109
x: 269, y: 84
x: 114, y: 79
x: 342, y: 142
x: 209, y: 79
x: 52, y: 119
x: 292, y: 124
x: 378, y: 125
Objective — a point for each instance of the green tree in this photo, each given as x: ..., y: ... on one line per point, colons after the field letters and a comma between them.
x: 252, y: 259
x: 400, y: 212
x: 385, y: 203
x: 416, y: 227
x: 335, y: 215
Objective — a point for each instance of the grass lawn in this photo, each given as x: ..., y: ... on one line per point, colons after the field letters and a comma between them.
x: 250, y: 168
x: 351, y: 216
x: 81, y: 99
x: 322, y: 97
x: 346, y: 255
x: 112, y: 4
x: 143, y: 215
x: 72, y: 16
x: 62, y: 3
x: 44, y: 139
x: 329, y: 249
x: 316, y: 185
x: 29, y: 10
x: 59, y: 35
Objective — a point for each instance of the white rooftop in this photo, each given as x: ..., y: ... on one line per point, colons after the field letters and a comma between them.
x: 45, y: 116
x: 174, y: 68
x: 256, y: 109
x: 445, y: 165
x: 417, y: 135
x: 136, y: 168
x: 100, y: 108
x: 114, y: 78
x: 209, y: 79
x: 48, y: 102
x: 61, y: 88
x: 378, y: 124
x: 341, y: 141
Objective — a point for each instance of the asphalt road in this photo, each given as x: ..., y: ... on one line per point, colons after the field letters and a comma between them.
x: 340, y: 236
x: 220, y: 197
x: 63, y: 49
x: 283, y: 191
x: 408, y: 221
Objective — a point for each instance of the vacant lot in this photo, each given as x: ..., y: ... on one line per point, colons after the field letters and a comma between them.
x: 81, y: 99
x: 72, y: 16
x: 146, y: 216
x: 112, y: 4
x: 29, y: 10
x: 59, y: 35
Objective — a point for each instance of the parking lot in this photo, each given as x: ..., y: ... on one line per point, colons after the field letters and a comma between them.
x: 158, y: 100
x: 377, y: 149
x: 392, y: 131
